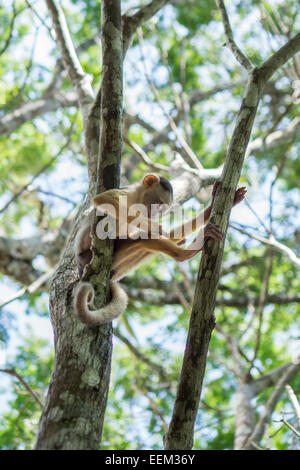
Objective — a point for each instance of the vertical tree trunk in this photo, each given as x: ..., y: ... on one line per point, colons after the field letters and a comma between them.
x: 181, y: 429
x: 244, y: 415
x: 74, y: 411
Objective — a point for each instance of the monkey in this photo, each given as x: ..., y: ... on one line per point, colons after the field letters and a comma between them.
x: 156, y: 194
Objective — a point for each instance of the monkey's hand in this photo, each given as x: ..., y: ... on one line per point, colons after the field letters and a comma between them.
x: 212, y: 231
x: 239, y: 195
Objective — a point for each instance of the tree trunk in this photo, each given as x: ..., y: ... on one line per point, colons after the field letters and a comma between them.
x: 244, y: 415
x: 74, y: 411
x: 181, y: 429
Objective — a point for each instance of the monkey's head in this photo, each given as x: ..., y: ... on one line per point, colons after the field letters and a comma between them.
x: 158, y: 194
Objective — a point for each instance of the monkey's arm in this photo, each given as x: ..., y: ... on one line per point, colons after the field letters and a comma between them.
x: 132, y: 253
x: 135, y: 253
x: 179, y: 233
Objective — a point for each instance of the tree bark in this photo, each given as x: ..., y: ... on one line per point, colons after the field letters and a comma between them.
x: 74, y: 411
x: 75, y: 405
x: 181, y: 429
x: 244, y: 414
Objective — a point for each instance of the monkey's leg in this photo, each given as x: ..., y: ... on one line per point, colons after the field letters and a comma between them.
x: 172, y: 249
x: 169, y: 248
x: 128, y: 254
x: 131, y: 262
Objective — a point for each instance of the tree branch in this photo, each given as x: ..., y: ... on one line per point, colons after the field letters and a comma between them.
x: 260, y: 309
x: 33, y: 287
x: 31, y: 392
x: 132, y: 23
x: 294, y: 402
x: 28, y: 111
x: 272, y: 242
x: 268, y: 380
x: 257, y: 434
x: 144, y: 157
x: 278, y: 59
x: 239, y: 55
x: 80, y: 80
x: 188, y: 155
x: 202, y: 322
x: 274, y: 139
x: 83, y: 354
x: 160, y: 370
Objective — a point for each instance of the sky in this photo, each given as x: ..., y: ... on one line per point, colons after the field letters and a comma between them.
x: 41, y: 326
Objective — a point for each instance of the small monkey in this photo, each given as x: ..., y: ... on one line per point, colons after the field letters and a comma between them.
x: 156, y: 194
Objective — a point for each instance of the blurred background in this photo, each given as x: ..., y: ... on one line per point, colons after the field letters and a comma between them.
x: 182, y: 91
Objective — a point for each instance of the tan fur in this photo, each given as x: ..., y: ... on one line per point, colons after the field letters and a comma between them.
x: 131, y: 253
x: 84, y: 295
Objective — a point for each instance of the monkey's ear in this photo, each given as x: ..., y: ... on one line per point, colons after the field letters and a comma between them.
x: 149, y: 180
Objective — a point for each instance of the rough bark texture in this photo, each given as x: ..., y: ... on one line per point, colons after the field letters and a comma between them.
x: 181, y: 429
x: 73, y: 414
x: 74, y: 411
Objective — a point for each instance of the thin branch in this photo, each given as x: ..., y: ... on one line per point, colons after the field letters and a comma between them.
x: 131, y: 23
x: 274, y: 139
x: 15, y: 13
x: 260, y: 310
x: 51, y: 100
x: 140, y: 152
x: 261, y: 222
x: 19, y: 95
x: 31, y: 392
x: 52, y: 194
x: 279, y: 169
x: 160, y: 370
x: 42, y: 170
x: 153, y: 406
x: 272, y: 242
x: 80, y: 80
x: 41, y: 20
x: 235, y: 352
x: 239, y: 55
x: 33, y: 287
x: 284, y: 421
x: 192, y: 158
x: 287, y: 424
x: 189, y: 287
x: 257, y: 434
x: 294, y: 401
x: 222, y: 361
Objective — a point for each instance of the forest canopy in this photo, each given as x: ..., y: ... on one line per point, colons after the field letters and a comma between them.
x: 188, y: 71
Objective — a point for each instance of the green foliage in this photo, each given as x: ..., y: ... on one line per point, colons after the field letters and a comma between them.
x: 184, y: 54
x: 33, y: 362
x: 193, y: 14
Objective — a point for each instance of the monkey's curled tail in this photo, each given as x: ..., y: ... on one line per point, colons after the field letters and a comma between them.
x: 84, y: 295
